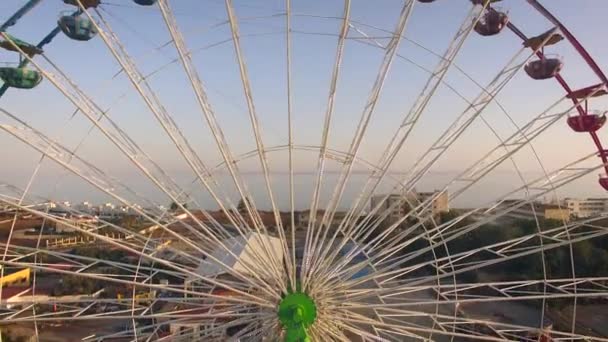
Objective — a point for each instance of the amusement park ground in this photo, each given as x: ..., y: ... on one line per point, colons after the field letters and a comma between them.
x: 65, y: 332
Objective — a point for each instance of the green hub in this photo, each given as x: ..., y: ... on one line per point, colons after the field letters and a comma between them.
x: 297, y: 312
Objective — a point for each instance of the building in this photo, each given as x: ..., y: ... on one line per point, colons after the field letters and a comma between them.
x: 108, y: 210
x: 85, y: 207
x: 396, y: 205
x: 440, y: 201
x: 589, y: 207
x: 399, y: 205
x: 553, y: 212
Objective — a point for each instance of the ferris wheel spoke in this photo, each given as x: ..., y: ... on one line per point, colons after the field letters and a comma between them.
x: 290, y: 139
x: 16, y: 217
x: 265, y: 326
x: 454, y: 330
x: 506, y: 255
x: 359, y: 331
x: 123, y: 236
x: 97, y: 178
x: 459, y: 327
x: 410, y: 119
x: 536, y: 188
x: 214, y: 326
x: 81, y: 264
x: 469, y: 293
x: 332, y: 329
x: 524, y: 291
x: 253, y: 299
x: 344, y: 30
x: 501, y: 252
x: 389, y: 247
x: 517, y: 141
x: 218, y: 134
x: 128, y: 240
x: 121, y: 140
x: 153, y: 103
x: 513, y: 331
x: 560, y: 177
x: 191, y: 273
x: 318, y: 250
x: 400, y: 329
x: 475, y: 108
x: 255, y: 125
x: 85, y: 266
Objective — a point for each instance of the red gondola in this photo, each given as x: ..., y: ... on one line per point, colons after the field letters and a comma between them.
x: 492, y: 23
x: 586, y: 123
x: 543, y: 69
x: 604, y: 183
x: 483, y: 2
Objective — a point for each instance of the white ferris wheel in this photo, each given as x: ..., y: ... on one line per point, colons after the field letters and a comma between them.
x: 299, y: 171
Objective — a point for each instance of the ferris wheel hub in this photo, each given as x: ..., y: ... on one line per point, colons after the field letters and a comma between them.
x: 297, y: 312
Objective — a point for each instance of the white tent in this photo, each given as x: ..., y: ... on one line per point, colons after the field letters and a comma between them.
x: 244, y: 251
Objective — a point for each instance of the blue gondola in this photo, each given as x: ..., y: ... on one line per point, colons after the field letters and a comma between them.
x: 145, y: 2
x: 78, y: 28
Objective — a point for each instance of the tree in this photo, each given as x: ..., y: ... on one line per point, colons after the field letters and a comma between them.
x: 583, y: 257
x: 241, y: 207
x: 129, y: 222
x: 174, y: 206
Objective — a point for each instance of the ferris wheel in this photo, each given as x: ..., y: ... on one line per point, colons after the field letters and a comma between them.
x: 299, y: 171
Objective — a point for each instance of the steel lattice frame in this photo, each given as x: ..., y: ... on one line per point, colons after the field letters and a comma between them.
x: 394, y: 301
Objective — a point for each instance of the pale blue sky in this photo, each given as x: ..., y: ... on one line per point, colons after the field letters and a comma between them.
x: 432, y: 25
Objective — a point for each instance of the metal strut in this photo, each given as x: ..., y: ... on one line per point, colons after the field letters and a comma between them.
x: 19, y: 14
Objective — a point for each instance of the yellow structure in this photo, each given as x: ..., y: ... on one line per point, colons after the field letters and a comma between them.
x: 559, y: 214
x: 18, y: 278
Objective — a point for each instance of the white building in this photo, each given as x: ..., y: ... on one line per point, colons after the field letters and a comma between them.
x: 588, y: 207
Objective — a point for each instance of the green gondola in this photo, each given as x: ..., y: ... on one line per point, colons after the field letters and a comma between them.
x: 21, y: 78
x: 26, y: 47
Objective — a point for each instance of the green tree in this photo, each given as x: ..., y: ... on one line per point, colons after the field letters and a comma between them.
x: 583, y: 258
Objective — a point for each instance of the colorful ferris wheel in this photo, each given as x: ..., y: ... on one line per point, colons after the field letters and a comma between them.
x: 300, y: 171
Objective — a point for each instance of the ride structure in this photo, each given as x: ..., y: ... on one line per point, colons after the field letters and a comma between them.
x: 407, y: 273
